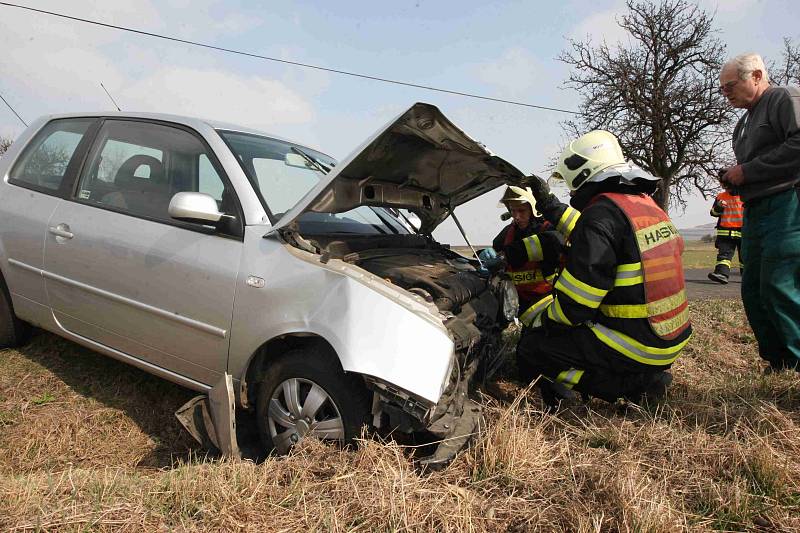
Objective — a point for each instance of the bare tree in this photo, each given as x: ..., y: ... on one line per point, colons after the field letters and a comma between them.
x: 658, y: 93
x: 788, y: 70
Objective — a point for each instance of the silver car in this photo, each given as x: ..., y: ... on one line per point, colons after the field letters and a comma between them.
x: 310, y: 293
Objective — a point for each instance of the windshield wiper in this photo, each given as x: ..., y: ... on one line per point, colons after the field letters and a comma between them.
x: 312, y: 161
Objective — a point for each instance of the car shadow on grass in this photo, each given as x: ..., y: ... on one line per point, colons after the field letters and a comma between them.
x: 148, y: 401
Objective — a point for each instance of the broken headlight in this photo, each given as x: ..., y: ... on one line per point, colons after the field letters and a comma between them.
x: 510, y: 300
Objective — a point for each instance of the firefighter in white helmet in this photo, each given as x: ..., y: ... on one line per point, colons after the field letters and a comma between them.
x: 531, y: 248
x: 619, y: 316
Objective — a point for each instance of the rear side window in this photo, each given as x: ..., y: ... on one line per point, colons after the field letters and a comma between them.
x: 45, y: 161
x: 137, y: 167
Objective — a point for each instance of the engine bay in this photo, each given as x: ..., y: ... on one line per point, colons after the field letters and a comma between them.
x: 470, y: 304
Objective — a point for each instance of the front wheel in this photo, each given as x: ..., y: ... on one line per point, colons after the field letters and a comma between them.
x: 306, y: 394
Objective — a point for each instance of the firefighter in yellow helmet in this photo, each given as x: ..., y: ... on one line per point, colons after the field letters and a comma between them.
x: 531, y: 248
x: 619, y: 315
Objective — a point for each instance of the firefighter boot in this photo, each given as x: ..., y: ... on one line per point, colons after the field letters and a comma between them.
x: 719, y: 278
x: 651, y: 386
x: 555, y: 395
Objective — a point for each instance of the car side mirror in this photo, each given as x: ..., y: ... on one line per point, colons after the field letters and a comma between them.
x: 197, y: 207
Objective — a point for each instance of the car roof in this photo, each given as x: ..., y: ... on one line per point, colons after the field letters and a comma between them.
x: 192, y: 122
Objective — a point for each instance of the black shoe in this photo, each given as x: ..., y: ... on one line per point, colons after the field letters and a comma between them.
x: 555, y: 395
x: 719, y: 278
x: 654, y: 388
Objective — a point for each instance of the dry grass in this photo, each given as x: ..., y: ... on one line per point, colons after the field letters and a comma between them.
x: 90, y: 444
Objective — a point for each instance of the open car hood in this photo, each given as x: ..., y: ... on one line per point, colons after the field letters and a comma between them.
x: 420, y: 161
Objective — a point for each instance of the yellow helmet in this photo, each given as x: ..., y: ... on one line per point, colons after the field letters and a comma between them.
x: 587, y: 156
x: 518, y: 194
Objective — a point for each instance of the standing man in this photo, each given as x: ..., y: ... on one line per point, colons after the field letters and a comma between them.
x: 729, y: 210
x: 766, y: 142
x: 619, y: 315
x: 531, y: 249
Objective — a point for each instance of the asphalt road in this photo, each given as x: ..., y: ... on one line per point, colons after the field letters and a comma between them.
x: 699, y: 287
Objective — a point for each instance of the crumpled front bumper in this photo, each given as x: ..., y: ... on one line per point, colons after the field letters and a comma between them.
x: 454, y: 420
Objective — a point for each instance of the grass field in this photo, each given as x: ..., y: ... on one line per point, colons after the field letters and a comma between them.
x: 87, y: 443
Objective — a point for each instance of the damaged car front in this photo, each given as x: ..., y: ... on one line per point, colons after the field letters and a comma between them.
x: 349, y: 269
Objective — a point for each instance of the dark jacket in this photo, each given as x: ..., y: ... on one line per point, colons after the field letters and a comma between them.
x: 766, y: 142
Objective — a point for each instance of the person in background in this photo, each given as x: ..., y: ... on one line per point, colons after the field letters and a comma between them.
x: 729, y: 210
x: 766, y: 141
x: 531, y: 249
x: 619, y: 316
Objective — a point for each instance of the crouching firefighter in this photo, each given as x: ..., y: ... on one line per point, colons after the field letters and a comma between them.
x: 619, y: 317
x: 532, y: 249
x: 729, y: 210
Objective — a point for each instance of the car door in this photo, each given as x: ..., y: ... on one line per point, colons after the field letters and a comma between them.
x: 35, y: 184
x: 121, y: 272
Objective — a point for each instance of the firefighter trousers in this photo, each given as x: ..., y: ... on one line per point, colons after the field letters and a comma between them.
x: 726, y: 247
x: 574, y: 357
x: 771, y: 278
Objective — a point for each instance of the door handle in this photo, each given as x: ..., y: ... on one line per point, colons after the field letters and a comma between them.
x: 62, y: 230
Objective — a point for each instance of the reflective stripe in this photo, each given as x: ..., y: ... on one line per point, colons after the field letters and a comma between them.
x: 656, y: 235
x: 725, y: 262
x: 534, y: 248
x: 569, y: 378
x: 579, y: 291
x: 670, y: 325
x: 636, y: 350
x: 567, y: 221
x: 729, y: 233
x: 556, y: 314
x: 658, y: 307
x: 533, y: 311
x: 629, y: 274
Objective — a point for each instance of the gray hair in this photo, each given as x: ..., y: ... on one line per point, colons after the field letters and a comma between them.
x: 746, y: 63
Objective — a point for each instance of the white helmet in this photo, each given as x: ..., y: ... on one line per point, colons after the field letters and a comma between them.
x: 587, y: 156
x: 518, y: 194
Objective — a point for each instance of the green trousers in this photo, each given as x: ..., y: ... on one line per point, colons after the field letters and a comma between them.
x: 771, y: 279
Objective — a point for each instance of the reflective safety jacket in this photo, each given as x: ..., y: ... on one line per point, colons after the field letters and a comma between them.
x: 525, y: 257
x: 730, y: 211
x: 624, y: 278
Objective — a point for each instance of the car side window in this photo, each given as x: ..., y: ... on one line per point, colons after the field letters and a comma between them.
x: 137, y: 167
x: 44, y: 163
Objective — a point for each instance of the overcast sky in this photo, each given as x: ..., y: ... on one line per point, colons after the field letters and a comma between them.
x: 503, y: 49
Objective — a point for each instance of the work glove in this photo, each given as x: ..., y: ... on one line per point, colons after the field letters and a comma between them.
x: 490, y: 261
x: 539, y: 187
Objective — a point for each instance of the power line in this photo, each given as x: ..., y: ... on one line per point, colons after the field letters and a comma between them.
x: 287, y: 62
x: 13, y: 110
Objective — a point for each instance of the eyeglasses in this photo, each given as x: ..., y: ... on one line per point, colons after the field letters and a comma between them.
x: 727, y: 87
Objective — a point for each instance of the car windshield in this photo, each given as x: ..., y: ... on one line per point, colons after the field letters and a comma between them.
x: 283, y: 173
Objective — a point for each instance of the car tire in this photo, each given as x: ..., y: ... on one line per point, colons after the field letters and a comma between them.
x: 327, y: 402
x: 13, y: 331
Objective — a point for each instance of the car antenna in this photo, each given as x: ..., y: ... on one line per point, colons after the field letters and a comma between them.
x: 464, y: 234
x: 110, y: 97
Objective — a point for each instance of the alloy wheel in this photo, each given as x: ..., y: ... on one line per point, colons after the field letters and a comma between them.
x: 300, y: 408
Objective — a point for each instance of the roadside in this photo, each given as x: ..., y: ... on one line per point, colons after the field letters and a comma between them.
x: 699, y: 287
x: 87, y: 443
